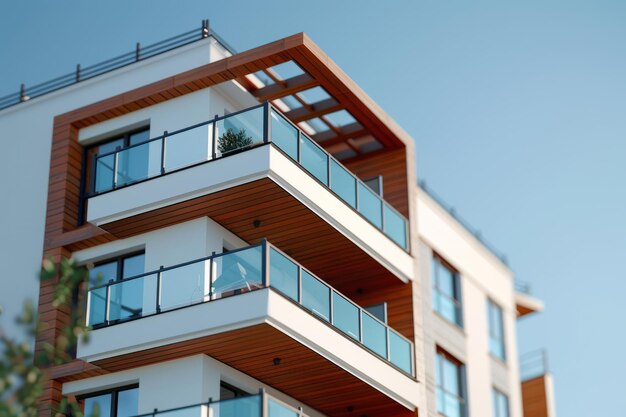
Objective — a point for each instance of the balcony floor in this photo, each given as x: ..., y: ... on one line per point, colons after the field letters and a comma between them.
x: 302, y: 373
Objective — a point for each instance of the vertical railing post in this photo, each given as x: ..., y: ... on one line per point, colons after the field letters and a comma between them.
x: 360, y: 325
x: 137, y: 51
x: 155, y: 412
x: 263, y: 402
x: 205, y: 28
x: 300, y: 412
x: 266, y: 122
x: 331, y: 306
x: 163, y: 153
x: 387, y: 342
x: 22, y: 92
x: 158, y: 289
x: 77, y: 72
x: 107, y: 302
x: 115, y: 162
x: 298, y: 147
x: 265, y: 262
x: 299, y: 284
x: 211, y: 277
x: 328, y: 170
x: 214, y: 138
x: 382, y: 215
x: 94, y: 170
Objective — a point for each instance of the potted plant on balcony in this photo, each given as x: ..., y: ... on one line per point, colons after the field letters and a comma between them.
x: 233, y: 140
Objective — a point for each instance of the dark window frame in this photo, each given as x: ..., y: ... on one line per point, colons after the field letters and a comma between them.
x: 457, y: 299
x: 461, y: 376
x: 87, y: 169
x: 114, y: 397
x: 237, y: 391
x: 119, y: 259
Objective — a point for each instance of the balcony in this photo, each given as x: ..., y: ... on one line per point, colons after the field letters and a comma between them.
x: 237, y: 272
x: 525, y: 302
x: 253, y: 309
x: 537, y: 385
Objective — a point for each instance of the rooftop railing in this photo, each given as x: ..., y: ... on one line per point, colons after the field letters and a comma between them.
x: 84, y: 73
x: 259, y: 405
x: 238, y: 132
x: 533, y: 364
x: 240, y: 271
x: 523, y: 287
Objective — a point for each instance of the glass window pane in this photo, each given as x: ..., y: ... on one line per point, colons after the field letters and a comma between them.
x: 133, y: 163
x: 128, y: 403
x: 400, y: 352
x: 374, y: 334
x: 139, y: 137
x: 185, y: 285
x: 440, y: 401
x: 446, y: 281
x: 453, y: 406
x: 240, y: 131
x: 345, y: 316
x: 395, y: 226
x: 126, y: 298
x: 447, y: 308
x: 104, y: 173
x: 100, y: 405
x: 450, y: 377
x: 110, y: 146
x: 275, y: 409
x: 342, y: 183
x: 379, y: 311
x: 103, y: 273
x: 314, y: 159
x: 133, y: 266
x: 284, y: 135
x: 283, y: 275
x: 237, y: 272
x: 189, y: 147
x: 315, y: 295
x: 370, y: 205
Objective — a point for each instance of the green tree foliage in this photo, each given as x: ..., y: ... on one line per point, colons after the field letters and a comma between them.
x: 232, y: 140
x: 21, y: 370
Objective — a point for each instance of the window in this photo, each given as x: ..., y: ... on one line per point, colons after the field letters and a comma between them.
x: 376, y: 184
x: 228, y: 391
x: 446, y: 292
x: 119, y: 402
x: 132, y: 163
x: 379, y: 311
x: 125, y: 298
x: 496, y: 330
x: 500, y: 404
x: 450, y: 381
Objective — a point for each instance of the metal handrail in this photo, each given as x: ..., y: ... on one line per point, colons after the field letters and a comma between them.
x: 267, y: 138
x: 266, y: 249
x: 262, y: 410
x: 111, y: 64
x: 533, y: 364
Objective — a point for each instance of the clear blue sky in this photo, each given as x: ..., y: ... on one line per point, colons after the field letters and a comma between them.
x: 518, y: 110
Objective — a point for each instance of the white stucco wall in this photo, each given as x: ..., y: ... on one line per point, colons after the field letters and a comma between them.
x: 483, y: 277
x: 26, y: 131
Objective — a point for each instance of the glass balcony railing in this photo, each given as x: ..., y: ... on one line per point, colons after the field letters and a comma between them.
x: 240, y: 271
x: 237, y: 132
x: 259, y: 405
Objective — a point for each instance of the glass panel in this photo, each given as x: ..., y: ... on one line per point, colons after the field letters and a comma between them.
x: 399, y: 352
x: 370, y: 205
x: 283, y: 274
x: 98, y: 406
x: 189, y: 147
x: 440, y: 400
x: 240, y: 131
x: 285, y: 135
x: 103, y: 273
x: 447, y: 308
x: 96, y: 306
x: 110, y: 146
x: 133, y: 163
x: 313, y: 159
x: 275, y: 409
x: 395, y: 226
x: 195, y: 411
x: 315, y: 295
x: 450, y: 377
x: 237, y: 272
x: 128, y: 403
x: 237, y: 407
x: 374, y: 334
x: 104, y: 173
x: 345, y: 316
x: 185, y: 285
x: 126, y: 298
x: 342, y: 183
x: 139, y: 137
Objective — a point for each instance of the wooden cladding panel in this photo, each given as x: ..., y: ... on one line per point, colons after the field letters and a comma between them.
x: 535, y: 398
x: 296, y: 230
x: 302, y: 373
x: 392, y: 165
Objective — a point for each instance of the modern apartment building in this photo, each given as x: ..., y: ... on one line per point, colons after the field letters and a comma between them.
x: 257, y: 243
